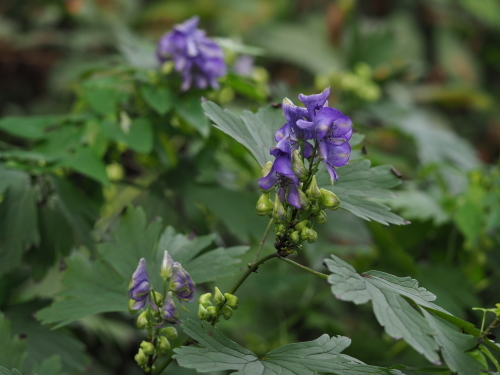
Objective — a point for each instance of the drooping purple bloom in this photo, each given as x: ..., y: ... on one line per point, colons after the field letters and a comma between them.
x: 195, y: 56
x: 182, y: 284
x: 168, y: 311
x: 139, y: 287
x: 315, y: 102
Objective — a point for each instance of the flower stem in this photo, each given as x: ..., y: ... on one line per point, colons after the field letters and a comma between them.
x: 159, y: 369
x: 263, y: 240
x: 490, y: 328
x: 307, y: 269
x: 252, y: 268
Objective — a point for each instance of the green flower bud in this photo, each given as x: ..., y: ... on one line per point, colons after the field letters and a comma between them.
x: 169, y: 332
x: 280, y: 229
x: 315, y: 209
x: 157, y: 298
x: 227, y: 312
x: 166, y: 265
x: 329, y: 200
x: 231, y: 300
x: 304, y: 202
x: 265, y: 171
x: 212, y: 310
x: 302, y: 225
x: 298, y: 166
x: 309, y: 235
x: 203, y: 313
x: 264, y: 205
x: 142, y: 320
x: 218, y: 297
x: 313, y: 192
x: 163, y: 344
x: 205, y: 299
x: 321, y: 217
x: 279, y: 212
x: 141, y: 358
x: 148, y: 348
x: 295, y: 237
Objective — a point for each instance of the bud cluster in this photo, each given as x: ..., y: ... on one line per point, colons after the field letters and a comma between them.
x: 223, y: 305
x: 161, y: 309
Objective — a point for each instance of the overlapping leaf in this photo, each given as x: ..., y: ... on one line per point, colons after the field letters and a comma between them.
x: 218, y: 353
x: 12, y: 349
x: 401, y: 306
x: 101, y: 286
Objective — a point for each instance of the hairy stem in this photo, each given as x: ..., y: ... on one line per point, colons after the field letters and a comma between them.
x: 304, y: 268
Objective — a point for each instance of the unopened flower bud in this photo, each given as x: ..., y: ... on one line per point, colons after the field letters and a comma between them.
x: 295, y: 236
x: 148, y: 348
x: 302, y: 225
x: 313, y: 191
x: 131, y: 306
x: 218, y: 297
x: 181, y: 283
x: 321, y: 217
x: 169, y: 312
x: 141, y: 358
x: 204, y: 299
x: 212, y: 310
x: 203, y: 313
x: 142, y: 320
x: 231, y: 300
x: 264, y: 205
x: 227, y: 312
x: 279, y: 212
x: 298, y: 166
x: 166, y: 266
x: 169, y: 332
x: 304, y: 201
x: 309, y: 235
x: 163, y: 344
x: 329, y: 200
x: 155, y: 297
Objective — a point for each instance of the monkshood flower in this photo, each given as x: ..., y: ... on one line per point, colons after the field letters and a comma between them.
x: 139, y: 287
x: 168, y: 311
x: 195, y: 56
x: 331, y: 131
x: 181, y: 283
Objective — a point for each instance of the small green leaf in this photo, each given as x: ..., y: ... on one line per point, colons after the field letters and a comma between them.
x: 49, y: 366
x: 218, y: 353
x: 159, y: 98
x: 83, y: 160
x: 104, y: 100
x: 12, y: 349
x: 139, y: 136
x: 31, y: 127
x: 190, y: 109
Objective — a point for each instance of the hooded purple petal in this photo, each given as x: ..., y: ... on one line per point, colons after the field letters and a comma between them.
x: 315, y: 102
x: 293, y: 196
x: 182, y: 284
x: 140, y: 286
x: 168, y: 310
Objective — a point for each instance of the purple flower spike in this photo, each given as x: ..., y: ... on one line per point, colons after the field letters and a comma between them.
x: 168, y: 310
x: 139, y: 287
x: 182, y: 284
x: 195, y: 56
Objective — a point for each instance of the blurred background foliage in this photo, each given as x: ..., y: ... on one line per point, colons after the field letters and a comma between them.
x: 90, y: 125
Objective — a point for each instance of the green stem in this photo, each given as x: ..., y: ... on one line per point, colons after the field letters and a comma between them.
x: 263, y: 240
x: 304, y: 268
x: 159, y: 369
x: 490, y: 328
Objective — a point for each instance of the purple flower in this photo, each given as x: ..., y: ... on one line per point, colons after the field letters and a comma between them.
x: 195, y: 56
x: 182, y: 284
x: 315, y: 102
x: 139, y: 287
x: 168, y: 310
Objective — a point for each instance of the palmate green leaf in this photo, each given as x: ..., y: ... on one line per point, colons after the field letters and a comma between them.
x: 358, y: 184
x: 102, y: 285
x: 402, y: 307
x: 255, y: 131
x: 218, y: 353
x: 18, y: 214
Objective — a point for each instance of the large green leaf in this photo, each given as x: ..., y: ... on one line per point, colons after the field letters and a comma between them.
x: 255, y: 131
x: 190, y: 110
x: 12, y: 349
x: 160, y: 98
x: 102, y: 285
x: 31, y: 127
x: 18, y: 215
x: 359, y: 184
x: 218, y: 353
x: 400, y: 306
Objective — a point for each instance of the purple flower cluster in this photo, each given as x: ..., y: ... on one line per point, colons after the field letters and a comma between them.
x: 195, y: 56
x: 181, y: 286
x: 330, y: 132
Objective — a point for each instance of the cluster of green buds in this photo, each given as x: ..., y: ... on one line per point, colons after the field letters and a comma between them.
x: 294, y: 226
x: 223, y: 305
x: 150, y: 350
